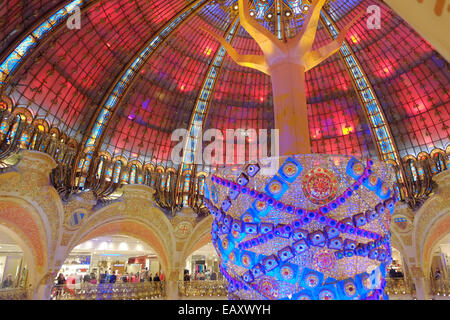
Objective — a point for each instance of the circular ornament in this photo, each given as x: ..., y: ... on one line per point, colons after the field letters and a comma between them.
x: 275, y: 187
x: 246, y: 261
x: 225, y: 243
x: 319, y: 186
x: 304, y: 297
x: 232, y: 257
x: 350, y: 289
x: 287, y: 273
x: 312, y: 280
x: 260, y: 205
x: 324, y: 260
x: 183, y: 229
x: 326, y: 295
x: 358, y: 169
x: 373, y: 179
x: 290, y: 169
x: 268, y: 287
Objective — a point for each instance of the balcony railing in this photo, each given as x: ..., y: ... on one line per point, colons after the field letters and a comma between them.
x: 16, y: 134
x: 418, y: 183
x: 400, y: 286
x: 110, y: 291
x: 202, y: 288
x: 15, y: 294
x: 440, y: 287
x: 104, y: 175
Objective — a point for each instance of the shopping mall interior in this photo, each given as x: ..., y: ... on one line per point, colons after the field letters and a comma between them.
x: 110, y: 107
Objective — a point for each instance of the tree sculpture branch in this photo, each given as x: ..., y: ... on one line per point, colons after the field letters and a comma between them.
x: 305, y: 39
x: 297, y: 50
x: 315, y: 57
x: 268, y: 43
x: 251, y: 61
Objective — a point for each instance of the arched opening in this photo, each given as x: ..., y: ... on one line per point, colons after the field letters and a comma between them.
x: 113, y: 266
x: 399, y: 283
x: 14, y: 269
x: 440, y: 267
x: 434, y: 252
x: 202, y: 277
x: 29, y: 236
x: 203, y: 264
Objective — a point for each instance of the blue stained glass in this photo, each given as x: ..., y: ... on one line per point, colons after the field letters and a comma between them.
x: 202, y: 104
x: 382, y: 135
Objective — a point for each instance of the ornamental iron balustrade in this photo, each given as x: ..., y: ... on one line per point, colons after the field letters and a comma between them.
x: 110, y: 291
x: 16, y: 134
x: 400, y: 286
x: 15, y: 293
x: 203, y: 288
x: 440, y: 287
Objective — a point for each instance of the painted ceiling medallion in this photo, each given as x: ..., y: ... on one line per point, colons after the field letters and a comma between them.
x: 183, y: 229
x: 319, y: 186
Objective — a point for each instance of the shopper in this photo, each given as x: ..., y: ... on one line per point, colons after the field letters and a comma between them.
x: 187, y: 277
x: 213, y: 276
x: 117, y: 275
x: 156, y: 278
x: 392, y: 273
x: 162, y: 276
x: 87, y: 278
x: 150, y: 277
x: 437, y: 274
x: 112, y: 278
x: 93, y: 279
x: 60, y: 281
x: 8, y: 282
x: 103, y: 277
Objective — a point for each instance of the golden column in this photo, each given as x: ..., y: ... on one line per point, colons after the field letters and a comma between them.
x: 286, y: 62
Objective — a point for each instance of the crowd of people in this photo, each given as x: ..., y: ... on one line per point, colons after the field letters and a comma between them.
x: 69, y: 283
x: 75, y: 281
x: 199, y: 275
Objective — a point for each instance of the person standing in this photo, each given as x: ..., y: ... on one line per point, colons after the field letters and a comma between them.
x: 437, y: 274
x: 86, y: 278
x: 93, y: 279
x: 112, y: 278
x: 60, y: 281
x: 103, y: 277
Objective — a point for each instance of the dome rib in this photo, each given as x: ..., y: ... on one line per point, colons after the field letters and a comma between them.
x: 34, y: 37
x: 201, y: 107
x: 380, y: 131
